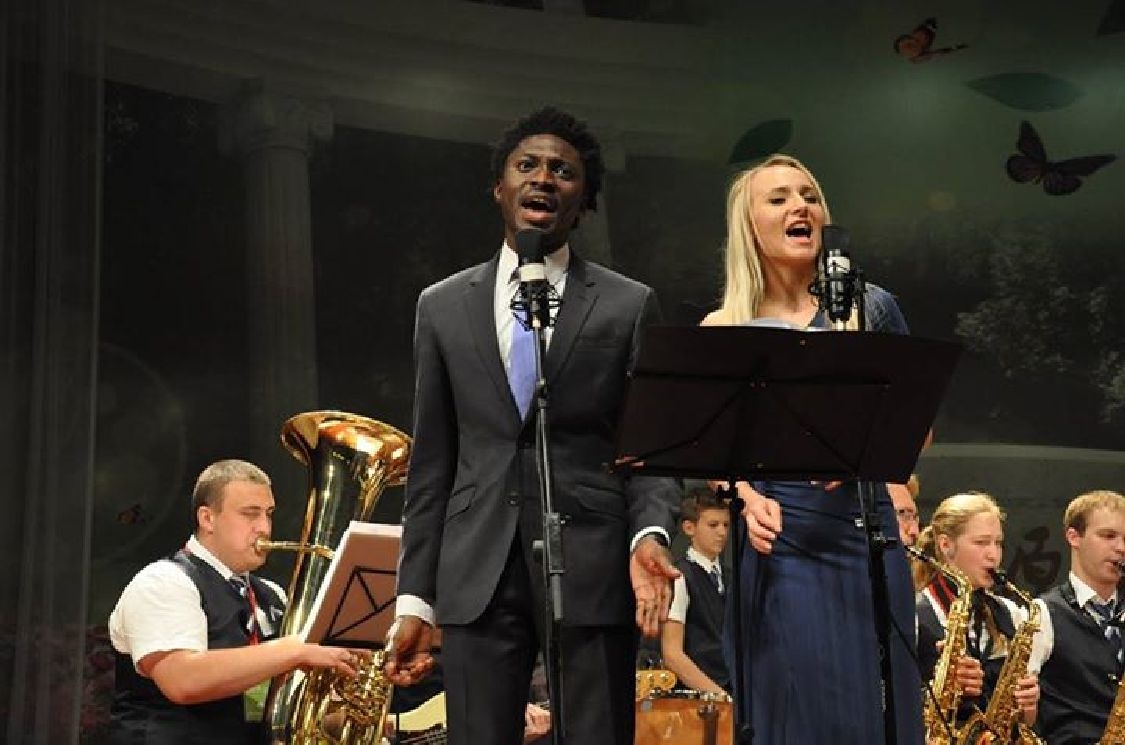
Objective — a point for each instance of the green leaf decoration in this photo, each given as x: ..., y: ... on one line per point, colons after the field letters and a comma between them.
x: 1028, y: 91
x: 764, y: 139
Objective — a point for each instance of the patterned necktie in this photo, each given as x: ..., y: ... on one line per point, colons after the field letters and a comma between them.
x: 247, y: 593
x: 717, y: 577
x: 1105, y: 613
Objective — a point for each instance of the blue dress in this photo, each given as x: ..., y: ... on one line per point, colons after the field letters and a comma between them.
x: 811, y: 671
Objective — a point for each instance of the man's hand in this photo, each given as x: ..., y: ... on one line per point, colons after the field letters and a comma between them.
x: 340, y: 659
x: 651, y: 572
x: 536, y: 722
x: 408, y: 659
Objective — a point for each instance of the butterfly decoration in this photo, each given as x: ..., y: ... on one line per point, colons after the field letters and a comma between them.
x: 918, y: 45
x: 131, y: 515
x: 1058, y: 177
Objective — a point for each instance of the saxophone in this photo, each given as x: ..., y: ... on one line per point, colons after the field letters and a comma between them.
x: 1000, y: 722
x: 1115, y: 725
x: 939, y: 714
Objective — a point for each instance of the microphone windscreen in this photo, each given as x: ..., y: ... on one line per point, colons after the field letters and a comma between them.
x: 529, y: 245
x: 834, y: 239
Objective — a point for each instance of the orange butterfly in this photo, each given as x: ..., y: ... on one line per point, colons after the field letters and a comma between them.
x: 918, y: 45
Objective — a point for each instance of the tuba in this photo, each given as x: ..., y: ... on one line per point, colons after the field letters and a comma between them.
x: 350, y: 460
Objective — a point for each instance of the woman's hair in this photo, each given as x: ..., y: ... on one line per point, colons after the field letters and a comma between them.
x: 744, y: 287
x: 950, y: 519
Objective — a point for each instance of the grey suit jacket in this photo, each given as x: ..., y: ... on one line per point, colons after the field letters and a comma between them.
x: 472, y: 475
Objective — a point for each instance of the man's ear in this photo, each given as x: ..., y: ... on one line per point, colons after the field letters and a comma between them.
x: 1072, y: 537
x: 687, y: 527
x: 205, y: 518
x: 496, y: 192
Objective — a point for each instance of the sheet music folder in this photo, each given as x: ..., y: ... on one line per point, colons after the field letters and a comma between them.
x: 752, y: 402
x: 356, y: 602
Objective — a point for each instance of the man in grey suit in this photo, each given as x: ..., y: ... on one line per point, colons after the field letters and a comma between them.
x: 472, y: 502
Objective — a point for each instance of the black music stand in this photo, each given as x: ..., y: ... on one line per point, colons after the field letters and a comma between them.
x: 744, y: 403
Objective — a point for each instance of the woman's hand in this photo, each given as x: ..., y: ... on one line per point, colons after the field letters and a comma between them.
x: 1027, y: 697
x: 763, y: 518
x: 970, y: 676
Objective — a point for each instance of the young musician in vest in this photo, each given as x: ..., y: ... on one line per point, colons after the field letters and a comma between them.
x: 967, y: 533
x: 692, y: 639
x: 1081, y: 648
x: 193, y: 632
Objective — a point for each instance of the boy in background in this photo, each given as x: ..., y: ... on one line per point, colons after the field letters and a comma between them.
x: 692, y: 638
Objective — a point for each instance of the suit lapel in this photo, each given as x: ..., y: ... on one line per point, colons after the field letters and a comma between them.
x: 578, y: 300
x: 479, y: 297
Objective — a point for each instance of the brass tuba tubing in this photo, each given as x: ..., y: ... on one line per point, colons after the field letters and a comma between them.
x: 263, y: 545
x: 350, y: 460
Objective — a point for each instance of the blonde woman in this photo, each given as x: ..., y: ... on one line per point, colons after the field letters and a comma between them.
x: 811, y: 672
x: 967, y: 532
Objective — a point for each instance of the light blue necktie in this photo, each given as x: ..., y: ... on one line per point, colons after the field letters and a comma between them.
x: 521, y: 365
x: 1105, y: 613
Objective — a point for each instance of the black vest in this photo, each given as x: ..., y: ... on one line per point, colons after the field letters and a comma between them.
x: 143, y: 716
x: 931, y: 630
x: 703, y: 627
x: 1078, y: 681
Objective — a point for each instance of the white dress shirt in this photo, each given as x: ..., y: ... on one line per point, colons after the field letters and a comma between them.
x: 159, y: 610
x: 505, y: 291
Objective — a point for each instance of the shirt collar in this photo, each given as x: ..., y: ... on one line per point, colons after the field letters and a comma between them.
x: 557, y: 263
x: 1083, y: 593
x: 701, y: 560
x: 195, y: 548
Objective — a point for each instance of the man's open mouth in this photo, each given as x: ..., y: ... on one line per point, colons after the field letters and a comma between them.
x: 542, y: 204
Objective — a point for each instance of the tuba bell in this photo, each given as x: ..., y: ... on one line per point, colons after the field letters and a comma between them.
x: 350, y: 460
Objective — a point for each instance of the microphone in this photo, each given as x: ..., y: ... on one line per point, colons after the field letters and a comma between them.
x: 535, y: 298
x: 837, y: 280
x: 529, y: 249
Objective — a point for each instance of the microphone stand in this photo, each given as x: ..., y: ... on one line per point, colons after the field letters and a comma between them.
x: 743, y: 719
x: 878, y: 542
x: 549, y: 547
x: 834, y: 278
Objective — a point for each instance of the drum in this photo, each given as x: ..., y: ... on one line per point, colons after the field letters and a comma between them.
x: 684, y: 718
